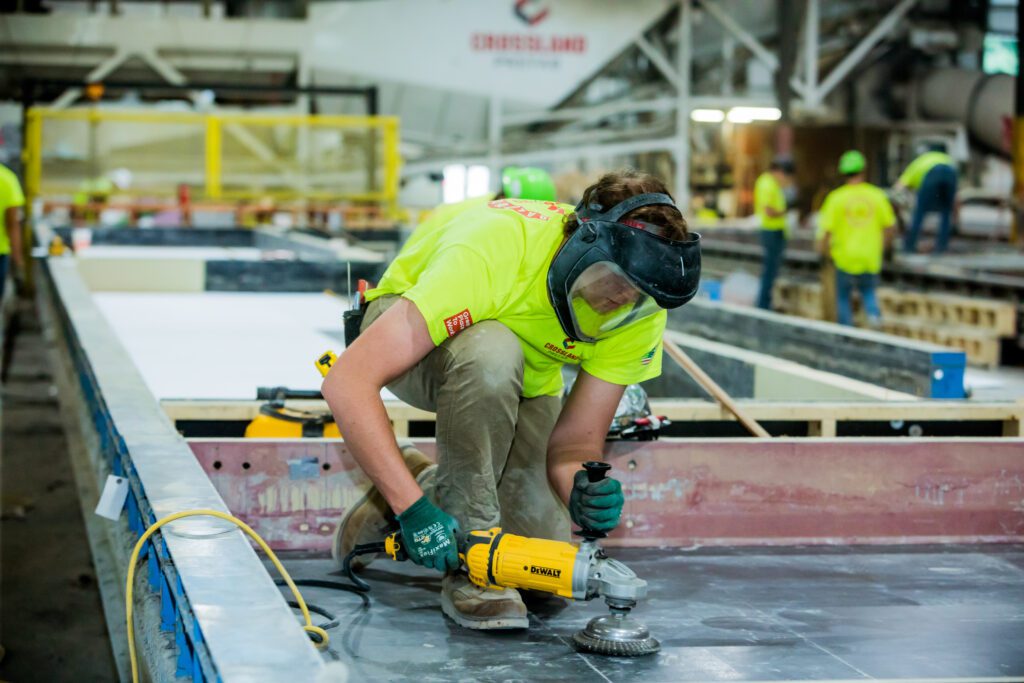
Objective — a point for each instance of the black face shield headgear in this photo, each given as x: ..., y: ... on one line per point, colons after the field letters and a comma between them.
x: 610, y: 273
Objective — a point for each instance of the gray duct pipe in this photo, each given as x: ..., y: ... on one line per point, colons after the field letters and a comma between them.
x: 982, y: 102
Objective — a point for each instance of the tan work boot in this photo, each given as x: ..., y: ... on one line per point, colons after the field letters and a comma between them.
x: 471, y: 606
x: 366, y: 521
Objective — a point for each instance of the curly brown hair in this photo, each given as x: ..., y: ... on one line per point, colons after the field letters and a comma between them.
x: 617, y: 186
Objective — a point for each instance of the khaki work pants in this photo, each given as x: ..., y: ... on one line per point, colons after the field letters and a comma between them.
x: 491, y: 442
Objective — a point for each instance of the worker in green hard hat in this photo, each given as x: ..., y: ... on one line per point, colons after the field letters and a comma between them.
x: 856, y: 224
x: 933, y: 176
x: 516, y: 183
x: 526, y: 183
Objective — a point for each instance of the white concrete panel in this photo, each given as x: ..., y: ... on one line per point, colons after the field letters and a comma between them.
x: 108, y: 268
x: 223, y: 345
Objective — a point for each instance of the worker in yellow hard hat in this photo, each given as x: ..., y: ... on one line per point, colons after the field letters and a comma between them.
x: 856, y: 223
x: 474, y: 320
x: 933, y: 176
x: 12, y: 199
x: 770, y: 205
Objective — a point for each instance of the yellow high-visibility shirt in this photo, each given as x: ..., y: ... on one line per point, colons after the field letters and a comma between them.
x: 11, y: 196
x: 768, y: 194
x: 919, y: 167
x: 441, y: 215
x: 856, y: 217
x: 491, y: 263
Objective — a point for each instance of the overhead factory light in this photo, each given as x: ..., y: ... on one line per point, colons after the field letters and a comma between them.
x: 750, y: 114
x: 707, y: 115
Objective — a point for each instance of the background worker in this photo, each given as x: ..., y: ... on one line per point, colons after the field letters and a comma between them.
x: 770, y: 207
x: 478, y: 315
x: 516, y: 183
x: 933, y: 175
x: 857, y: 223
x: 11, y: 201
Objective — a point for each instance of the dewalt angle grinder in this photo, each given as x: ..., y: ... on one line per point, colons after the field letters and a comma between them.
x: 494, y: 558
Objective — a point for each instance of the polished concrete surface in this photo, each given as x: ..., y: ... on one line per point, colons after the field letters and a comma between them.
x: 795, y: 614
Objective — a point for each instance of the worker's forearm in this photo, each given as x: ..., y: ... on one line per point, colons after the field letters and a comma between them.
x: 562, y: 468
x: 364, y: 424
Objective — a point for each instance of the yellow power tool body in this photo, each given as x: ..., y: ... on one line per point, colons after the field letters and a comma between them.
x: 495, y: 559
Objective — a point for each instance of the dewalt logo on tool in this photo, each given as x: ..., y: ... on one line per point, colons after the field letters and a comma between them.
x: 546, y: 571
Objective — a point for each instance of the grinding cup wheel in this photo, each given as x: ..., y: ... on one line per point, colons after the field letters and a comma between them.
x: 616, y: 635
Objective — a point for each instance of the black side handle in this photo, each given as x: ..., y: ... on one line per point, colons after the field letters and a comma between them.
x: 596, y: 471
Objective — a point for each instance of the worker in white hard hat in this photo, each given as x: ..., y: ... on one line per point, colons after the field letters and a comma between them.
x: 474, y: 320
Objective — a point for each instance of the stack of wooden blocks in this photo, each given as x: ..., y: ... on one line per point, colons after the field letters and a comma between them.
x: 976, y: 326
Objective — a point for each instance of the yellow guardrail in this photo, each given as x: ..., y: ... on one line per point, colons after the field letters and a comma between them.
x: 381, y: 154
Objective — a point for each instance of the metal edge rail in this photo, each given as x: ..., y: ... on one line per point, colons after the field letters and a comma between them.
x: 227, y: 619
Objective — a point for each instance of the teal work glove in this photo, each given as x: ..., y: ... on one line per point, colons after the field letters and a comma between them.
x: 595, y: 505
x: 428, y: 534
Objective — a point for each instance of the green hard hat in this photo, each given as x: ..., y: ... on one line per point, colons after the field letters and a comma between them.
x: 527, y: 183
x: 851, y: 162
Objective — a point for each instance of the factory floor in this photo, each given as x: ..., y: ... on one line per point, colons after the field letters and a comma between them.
x: 822, y: 614
x: 51, y: 621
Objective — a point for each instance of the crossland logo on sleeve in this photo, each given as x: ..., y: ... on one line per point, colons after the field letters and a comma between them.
x: 647, y: 357
x: 458, y: 322
x: 564, y: 352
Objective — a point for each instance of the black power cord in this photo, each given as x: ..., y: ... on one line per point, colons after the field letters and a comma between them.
x: 333, y: 585
x: 358, y: 584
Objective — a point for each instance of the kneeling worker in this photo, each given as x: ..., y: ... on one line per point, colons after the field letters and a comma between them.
x: 857, y: 223
x: 473, y: 320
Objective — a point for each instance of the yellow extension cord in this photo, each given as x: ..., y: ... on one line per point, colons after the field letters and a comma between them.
x: 310, y: 627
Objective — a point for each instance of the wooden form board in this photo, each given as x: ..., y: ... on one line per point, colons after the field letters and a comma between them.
x: 822, y: 416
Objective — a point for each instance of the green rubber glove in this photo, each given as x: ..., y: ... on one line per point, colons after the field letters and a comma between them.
x: 595, y: 505
x: 429, y: 536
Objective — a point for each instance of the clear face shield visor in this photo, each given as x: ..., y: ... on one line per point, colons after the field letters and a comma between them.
x: 603, y: 299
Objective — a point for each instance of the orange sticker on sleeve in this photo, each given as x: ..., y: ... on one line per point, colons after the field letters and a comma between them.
x: 458, y: 322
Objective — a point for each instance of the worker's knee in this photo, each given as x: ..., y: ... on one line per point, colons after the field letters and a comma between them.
x: 487, y: 355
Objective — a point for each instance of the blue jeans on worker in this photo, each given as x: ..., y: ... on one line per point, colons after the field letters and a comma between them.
x: 936, y: 194
x: 774, y: 243
x: 3, y: 273
x: 865, y: 284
